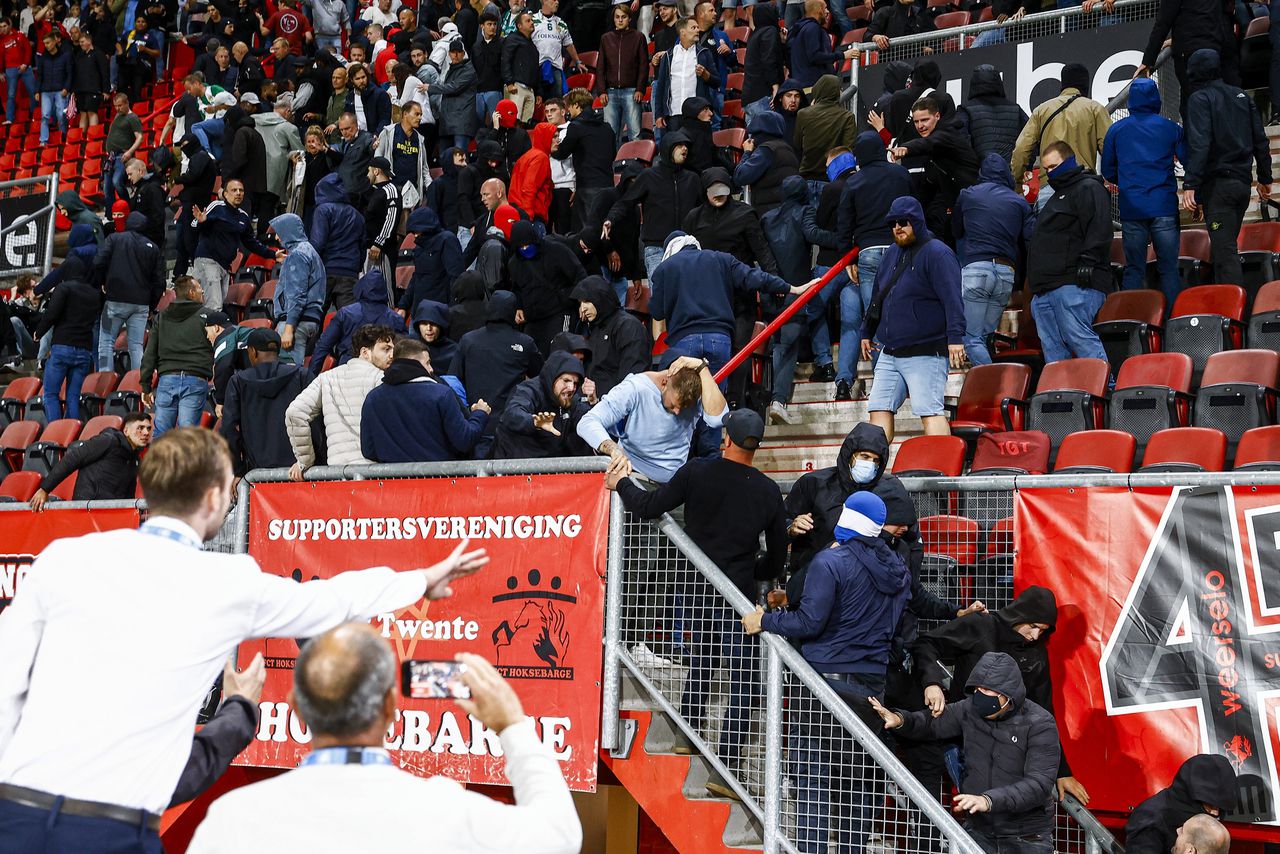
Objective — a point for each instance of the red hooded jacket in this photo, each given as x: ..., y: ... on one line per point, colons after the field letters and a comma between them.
x: 531, y: 185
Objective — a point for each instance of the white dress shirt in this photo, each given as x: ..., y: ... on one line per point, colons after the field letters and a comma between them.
x: 113, y: 641
x: 318, y: 809
x: 684, y: 78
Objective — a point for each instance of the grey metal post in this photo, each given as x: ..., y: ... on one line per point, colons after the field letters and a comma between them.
x: 611, y: 690
x: 53, y: 223
x: 773, y: 751
x: 240, y: 519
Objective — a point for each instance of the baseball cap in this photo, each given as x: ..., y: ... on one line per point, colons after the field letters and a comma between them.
x: 215, y: 318
x: 381, y: 163
x: 665, y: 3
x: 457, y: 46
x: 264, y: 340
x: 746, y: 428
x: 250, y: 98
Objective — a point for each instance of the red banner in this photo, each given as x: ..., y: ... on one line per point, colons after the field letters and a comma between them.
x: 1166, y: 644
x: 23, y: 535
x: 536, y: 611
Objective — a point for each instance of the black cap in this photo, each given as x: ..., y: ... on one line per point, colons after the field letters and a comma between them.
x: 746, y: 428
x: 264, y: 340
x: 215, y: 318
x: 381, y: 163
x: 457, y: 46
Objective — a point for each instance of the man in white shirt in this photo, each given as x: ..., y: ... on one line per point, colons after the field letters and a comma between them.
x: 680, y: 73
x: 147, y: 619
x: 552, y: 39
x: 348, y: 795
x: 562, y: 175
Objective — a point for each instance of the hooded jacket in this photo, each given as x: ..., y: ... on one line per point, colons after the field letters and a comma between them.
x: 253, y: 412
x: 896, y: 75
x: 922, y: 312
x: 200, y: 172
x: 78, y: 212
x: 822, y: 126
x: 694, y: 291
x: 370, y: 307
x: 991, y: 120
x: 734, y: 227
x: 147, y: 197
x: 661, y: 96
x: 80, y: 243
x: 106, y: 468
x: 703, y: 153
x: 812, y: 52
x: 1072, y: 241
x: 337, y: 229
x: 764, y: 65
x: 665, y: 191
x: 130, y: 265
x: 773, y: 161
x: 280, y: 138
x: 73, y: 310
x: 623, y: 239
x: 788, y: 116
x: 962, y: 642
x: 1202, y: 779
x: 1193, y: 24
x: 469, y: 303
x: 443, y: 348
x: 869, y: 193
x: 827, y: 216
x: 1146, y: 143
x: 512, y: 141
x: 926, y: 79
x: 470, y: 179
x: 531, y: 185
x: 517, y: 438
x: 787, y: 236
x: 412, y: 417
x: 542, y: 283
x: 338, y: 397
x: 442, y: 192
x: 1013, y: 759
x: 244, y: 155
x: 589, y: 141
x: 855, y: 594
x: 437, y: 260
x: 492, y: 360
x: 300, y: 290
x: 619, y: 342
x: 991, y: 216
x: 1224, y: 130
x: 177, y: 343
x: 822, y: 493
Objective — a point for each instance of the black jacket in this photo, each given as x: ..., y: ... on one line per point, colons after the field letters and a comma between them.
x: 897, y: 20
x: 487, y: 58
x: 925, y: 76
x: 827, y: 216
x: 253, y: 415
x: 73, y: 310
x: 666, y: 191
x: 107, y: 467
x: 513, y: 141
x: 620, y: 345
x: 469, y: 206
x: 519, y: 62
x: 703, y: 153
x: 1072, y: 241
x: 950, y: 165
x: 962, y: 642
x: 244, y: 153
x: 543, y: 283
x: 131, y: 265
x: 1224, y: 131
x: 519, y: 439
x: 590, y: 142
x: 992, y: 121
x: 353, y: 169
x: 1012, y: 759
x: 442, y: 193
x: 763, y: 66
x: 468, y: 305
x: 1194, y: 24
x: 90, y: 72
x: 492, y: 360
x: 220, y: 740
x: 437, y: 260
x: 200, y: 174
x: 733, y: 227
x: 147, y: 197
x: 1202, y: 779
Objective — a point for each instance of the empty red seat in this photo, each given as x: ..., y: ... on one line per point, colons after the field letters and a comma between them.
x: 1096, y: 452
x: 127, y: 397
x: 1238, y: 393
x: 1185, y: 449
x: 14, y: 441
x: 950, y: 551
x: 54, y: 440
x: 257, y: 323
x: 950, y: 20
x: 1206, y: 320
x: 1009, y: 453
x: 1193, y: 255
x: 239, y: 295
x: 94, y: 392
x: 1069, y: 397
x: 263, y: 304
x: 993, y: 399
x: 98, y: 423
x: 643, y: 150
x: 930, y: 456
x: 1129, y: 323
x: 13, y: 404
x: 19, y: 486
x: 1259, y: 246
x: 1151, y: 394
x: 1259, y: 450
x: 1264, y: 321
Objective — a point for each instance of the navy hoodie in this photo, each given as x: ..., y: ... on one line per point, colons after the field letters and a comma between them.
x: 990, y: 216
x: 924, y: 312
x: 811, y: 53
x: 443, y: 348
x: 437, y: 259
x: 491, y: 361
x: 414, y: 418
x: 337, y: 229
x: 868, y: 194
x: 1146, y: 143
x: 370, y: 307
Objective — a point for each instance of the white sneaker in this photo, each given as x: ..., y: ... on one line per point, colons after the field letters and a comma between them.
x: 645, y: 657
x: 777, y: 413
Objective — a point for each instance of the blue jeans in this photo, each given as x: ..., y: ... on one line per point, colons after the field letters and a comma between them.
x: 841, y: 18
x: 24, y: 828
x: 112, y: 179
x: 486, y: 103
x: 334, y: 42
x: 26, y: 344
x: 1064, y: 319
x: 652, y: 258
x: 114, y: 316
x: 827, y: 785
x: 989, y: 37
x: 72, y: 364
x: 461, y: 140
x: 715, y: 347
x: 755, y: 108
x: 303, y: 333
x: 179, y: 401
x: 1162, y: 232
x: 986, y: 286
x: 209, y: 132
x: 812, y: 321
x: 854, y: 300
x: 53, y: 111
x: 623, y: 111
x: 717, y: 108
x: 923, y: 378
x: 28, y: 79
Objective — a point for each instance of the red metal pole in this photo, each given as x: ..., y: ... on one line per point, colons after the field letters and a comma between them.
x: 787, y: 313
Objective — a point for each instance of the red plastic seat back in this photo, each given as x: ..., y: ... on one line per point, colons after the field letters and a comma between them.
x: 99, y: 384
x: 1194, y: 243
x: 1143, y: 306
x: 20, y: 485
x: 1268, y: 298
x: 1200, y: 446
x: 941, y: 454
x: 985, y: 387
x: 18, y: 435
x: 637, y: 149
x: 1259, y: 445
x: 1171, y: 370
x: 1019, y: 449
x: 1000, y: 538
x: 23, y: 389
x: 132, y: 381
x: 953, y: 536
x: 98, y: 423
x: 1109, y: 449
x: 1226, y: 300
x: 62, y: 432
x: 1258, y: 367
x: 1088, y: 375
x: 67, y: 489
x: 1259, y: 237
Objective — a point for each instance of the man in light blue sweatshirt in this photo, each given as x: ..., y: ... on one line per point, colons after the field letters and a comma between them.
x: 299, y: 298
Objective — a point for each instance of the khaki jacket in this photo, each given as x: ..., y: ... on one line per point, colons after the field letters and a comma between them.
x: 1083, y: 126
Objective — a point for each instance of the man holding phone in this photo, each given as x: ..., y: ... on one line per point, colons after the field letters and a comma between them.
x: 348, y: 788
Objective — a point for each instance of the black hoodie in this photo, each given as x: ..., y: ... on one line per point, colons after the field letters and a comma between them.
x: 244, y: 154
x: 519, y: 439
x: 443, y: 349
x: 469, y: 303
x: 666, y: 192
x: 200, y: 174
x: 991, y: 120
x: 590, y: 142
x: 1203, y: 779
x: 619, y: 342
x: 131, y: 265
x: 73, y: 308
x: 442, y: 194
x: 703, y: 153
x: 253, y: 415
x: 734, y: 227
x: 544, y: 281
x: 624, y: 240
x: 926, y: 77
x: 763, y: 65
x: 1224, y: 131
x: 469, y: 205
x: 490, y: 361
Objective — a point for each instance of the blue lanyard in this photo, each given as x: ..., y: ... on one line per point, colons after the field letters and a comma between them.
x: 169, y: 534
x: 347, y: 756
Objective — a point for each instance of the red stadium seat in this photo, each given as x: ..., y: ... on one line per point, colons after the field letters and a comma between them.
x: 1069, y: 397
x: 127, y: 397
x: 1259, y: 450
x: 858, y: 13
x: 951, y: 20
x: 1094, y: 452
x: 733, y: 83
x: 1259, y: 245
x: 1185, y: 449
x: 643, y: 150
x: 588, y: 59
x: 738, y: 35
x: 993, y: 399
x: 94, y: 392
x: 1193, y: 256
x: 1129, y: 323
x: 732, y: 115
x: 14, y: 441
x: 264, y: 304
x: 1011, y: 453
x: 1206, y: 320
x: 1023, y: 349
x: 66, y: 490
x: 950, y: 544
x: 13, y: 403
x: 20, y: 486
x: 97, y: 424
x: 236, y: 302
x: 930, y: 456
x: 585, y: 80
x: 257, y: 323
x: 1151, y: 394
x: 54, y: 441
x: 1238, y: 393
x: 1264, y: 322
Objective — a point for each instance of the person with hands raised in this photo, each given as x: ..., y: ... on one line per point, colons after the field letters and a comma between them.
x: 542, y: 414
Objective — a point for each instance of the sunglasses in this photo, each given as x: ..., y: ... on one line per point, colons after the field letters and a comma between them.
x: 901, y: 223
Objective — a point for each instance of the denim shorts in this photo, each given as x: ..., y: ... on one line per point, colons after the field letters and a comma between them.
x: 924, y: 378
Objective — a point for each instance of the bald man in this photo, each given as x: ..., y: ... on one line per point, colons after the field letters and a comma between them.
x: 493, y: 194
x: 348, y: 792
x: 1202, y: 834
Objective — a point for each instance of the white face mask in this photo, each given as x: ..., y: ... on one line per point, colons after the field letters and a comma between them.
x: 863, y: 471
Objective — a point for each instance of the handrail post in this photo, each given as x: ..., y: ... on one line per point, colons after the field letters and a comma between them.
x: 772, y: 751
x: 611, y: 690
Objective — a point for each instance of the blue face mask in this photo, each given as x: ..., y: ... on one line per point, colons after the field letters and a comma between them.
x: 529, y: 251
x: 863, y: 471
x: 1063, y: 167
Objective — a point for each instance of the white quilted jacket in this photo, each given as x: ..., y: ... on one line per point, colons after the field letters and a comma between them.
x: 338, y: 396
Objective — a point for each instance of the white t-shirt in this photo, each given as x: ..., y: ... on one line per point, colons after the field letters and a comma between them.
x: 551, y: 37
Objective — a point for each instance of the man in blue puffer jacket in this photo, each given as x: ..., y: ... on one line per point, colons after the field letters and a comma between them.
x: 338, y: 231
x: 437, y: 260
x: 370, y: 307
x: 299, y: 299
x: 1137, y: 155
x: 917, y: 316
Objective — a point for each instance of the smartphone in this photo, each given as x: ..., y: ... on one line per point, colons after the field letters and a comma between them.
x: 433, y: 680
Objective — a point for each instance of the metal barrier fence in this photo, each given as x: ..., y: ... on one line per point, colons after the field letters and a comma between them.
x: 27, y: 217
